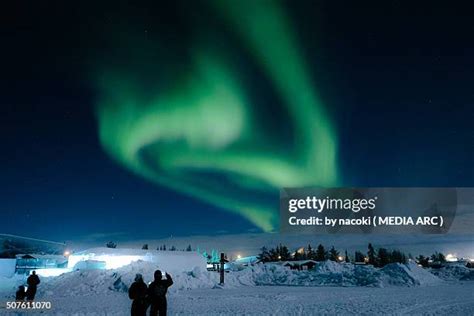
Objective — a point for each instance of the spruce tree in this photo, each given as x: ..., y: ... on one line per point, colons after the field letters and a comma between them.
x: 264, y: 255
x: 359, y: 257
x: 309, y: 253
x: 333, y: 254
x: 438, y: 257
x: 274, y: 254
x: 423, y: 261
x: 398, y: 256
x: 284, y: 253
x: 371, y: 255
x: 111, y: 244
x: 320, y: 253
x: 383, y: 257
x: 297, y: 256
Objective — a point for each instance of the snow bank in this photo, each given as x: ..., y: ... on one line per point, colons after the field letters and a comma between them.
x: 99, y: 281
x: 454, y: 272
x: 7, y: 267
x: 331, y: 273
x: 325, y: 274
x: 10, y: 284
x: 407, y: 274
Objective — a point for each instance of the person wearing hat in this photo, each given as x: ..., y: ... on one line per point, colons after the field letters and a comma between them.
x: 138, y: 293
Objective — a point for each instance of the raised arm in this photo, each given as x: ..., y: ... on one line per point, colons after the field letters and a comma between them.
x: 170, y: 280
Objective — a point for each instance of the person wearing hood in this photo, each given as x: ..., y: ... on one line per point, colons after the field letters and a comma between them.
x: 157, y: 293
x: 138, y: 293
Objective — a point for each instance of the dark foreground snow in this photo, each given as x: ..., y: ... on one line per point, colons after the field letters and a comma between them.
x: 449, y: 299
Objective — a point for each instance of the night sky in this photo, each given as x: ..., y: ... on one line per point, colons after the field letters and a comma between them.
x: 144, y: 121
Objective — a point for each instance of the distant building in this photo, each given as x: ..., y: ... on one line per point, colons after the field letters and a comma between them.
x: 112, y: 258
x: 28, y: 262
x: 12, y: 245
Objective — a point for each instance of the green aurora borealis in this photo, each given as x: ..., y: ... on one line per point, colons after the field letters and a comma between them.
x: 200, y: 135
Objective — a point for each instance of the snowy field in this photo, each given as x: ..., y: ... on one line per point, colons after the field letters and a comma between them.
x: 449, y: 299
x: 270, y: 289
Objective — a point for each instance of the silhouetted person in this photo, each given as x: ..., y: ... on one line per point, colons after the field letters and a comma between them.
x: 20, y: 294
x: 137, y: 293
x: 32, y: 281
x: 157, y: 293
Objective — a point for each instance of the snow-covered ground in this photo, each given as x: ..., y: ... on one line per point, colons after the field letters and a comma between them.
x: 449, y: 299
x: 265, y: 300
x: 331, y: 288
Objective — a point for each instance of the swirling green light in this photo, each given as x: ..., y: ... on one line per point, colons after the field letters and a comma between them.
x: 202, y: 137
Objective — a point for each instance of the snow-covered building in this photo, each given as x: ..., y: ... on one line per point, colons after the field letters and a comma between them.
x: 45, y: 265
x: 21, y: 255
x: 113, y: 258
x: 28, y: 262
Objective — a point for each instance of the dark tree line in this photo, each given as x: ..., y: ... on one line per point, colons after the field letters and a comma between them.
x: 163, y: 247
x: 173, y: 248
x: 275, y: 254
x: 435, y: 259
x: 380, y: 257
x: 376, y: 257
x: 281, y: 253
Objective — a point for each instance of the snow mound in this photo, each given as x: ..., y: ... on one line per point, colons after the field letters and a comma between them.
x: 99, y: 281
x: 468, y: 277
x: 407, y: 274
x: 330, y: 267
x: 91, y: 282
x: 454, y: 272
x: 331, y: 273
x: 10, y: 284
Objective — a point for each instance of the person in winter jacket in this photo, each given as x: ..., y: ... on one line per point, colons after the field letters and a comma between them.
x: 157, y: 293
x: 32, y: 281
x: 138, y: 293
